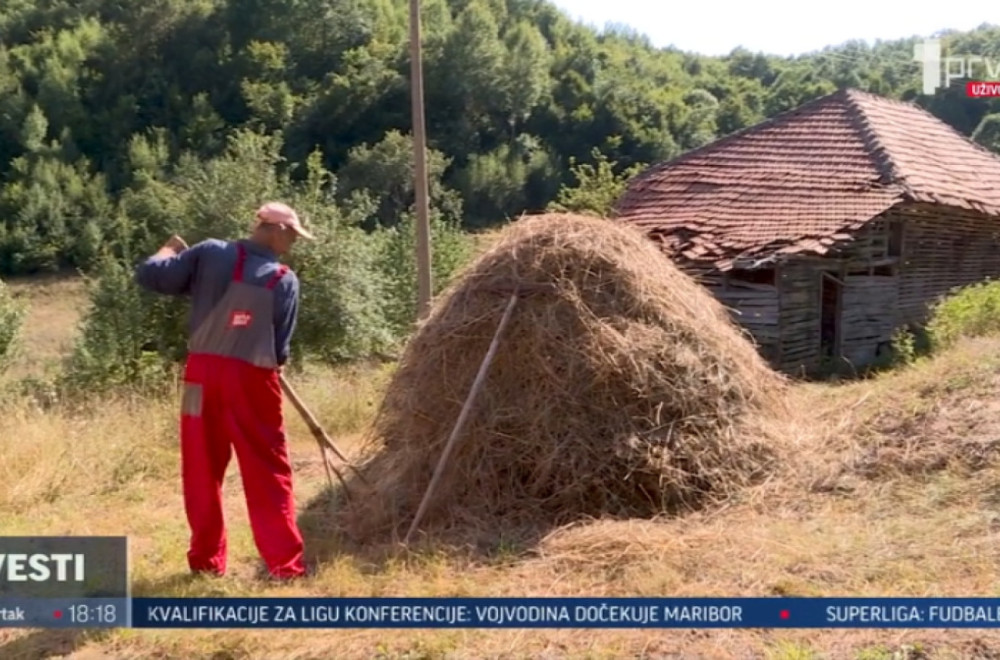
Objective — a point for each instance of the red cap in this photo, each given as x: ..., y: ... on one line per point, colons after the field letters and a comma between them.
x: 276, y: 213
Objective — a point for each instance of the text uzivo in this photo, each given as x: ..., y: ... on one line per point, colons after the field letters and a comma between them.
x: 982, y: 89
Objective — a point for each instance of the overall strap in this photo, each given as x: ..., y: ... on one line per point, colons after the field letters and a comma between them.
x: 282, y: 270
x: 241, y: 257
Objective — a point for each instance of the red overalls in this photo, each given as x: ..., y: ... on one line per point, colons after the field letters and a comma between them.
x: 232, y: 398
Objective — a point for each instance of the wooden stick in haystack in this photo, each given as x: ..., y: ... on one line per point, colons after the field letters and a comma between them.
x: 477, y: 385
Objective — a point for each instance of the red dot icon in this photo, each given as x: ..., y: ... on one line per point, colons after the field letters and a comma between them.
x: 785, y: 614
x: 57, y: 614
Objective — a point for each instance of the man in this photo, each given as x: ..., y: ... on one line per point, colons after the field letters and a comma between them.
x: 244, y: 310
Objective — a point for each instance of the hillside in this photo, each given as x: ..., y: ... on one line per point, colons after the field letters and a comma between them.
x: 101, y: 100
x: 892, y: 492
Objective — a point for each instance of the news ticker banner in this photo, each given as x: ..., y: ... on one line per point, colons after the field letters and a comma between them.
x: 566, y: 613
x: 502, y: 613
x: 82, y: 582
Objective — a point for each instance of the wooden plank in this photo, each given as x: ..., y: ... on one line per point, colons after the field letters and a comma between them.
x: 800, y: 299
x: 757, y: 316
x: 803, y: 354
x: 779, y: 276
x: 804, y: 317
x: 838, y: 334
x: 739, y: 285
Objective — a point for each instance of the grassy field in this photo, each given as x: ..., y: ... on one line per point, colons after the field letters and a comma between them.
x: 895, y: 491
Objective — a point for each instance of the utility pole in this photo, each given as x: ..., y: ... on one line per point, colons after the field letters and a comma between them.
x: 420, y: 165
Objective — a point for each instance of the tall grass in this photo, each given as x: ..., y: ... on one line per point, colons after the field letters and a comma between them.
x: 127, y: 443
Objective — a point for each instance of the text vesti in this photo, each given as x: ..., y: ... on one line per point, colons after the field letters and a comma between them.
x: 39, y: 567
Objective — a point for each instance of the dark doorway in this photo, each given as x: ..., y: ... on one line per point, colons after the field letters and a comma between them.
x: 831, y: 293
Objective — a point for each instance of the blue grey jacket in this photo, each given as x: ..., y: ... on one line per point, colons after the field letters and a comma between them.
x: 203, y: 272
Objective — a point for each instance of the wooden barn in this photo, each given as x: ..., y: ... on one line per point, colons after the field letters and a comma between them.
x: 827, y: 227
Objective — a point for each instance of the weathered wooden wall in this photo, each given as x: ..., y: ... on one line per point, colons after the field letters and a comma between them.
x: 784, y: 317
x: 891, y: 272
x: 753, y: 305
x: 942, y: 251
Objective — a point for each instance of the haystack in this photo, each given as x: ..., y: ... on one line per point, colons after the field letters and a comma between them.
x: 620, y: 387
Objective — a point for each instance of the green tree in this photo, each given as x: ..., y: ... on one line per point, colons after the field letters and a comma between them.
x: 513, y: 177
x: 525, y: 74
x: 597, y: 187
x: 54, y: 214
x: 384, y: 172
x: 397, y: 262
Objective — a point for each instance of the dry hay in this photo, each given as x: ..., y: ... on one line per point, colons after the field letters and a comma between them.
x: 620, y: 387
x: 928, y: 431
x: 607, y: 543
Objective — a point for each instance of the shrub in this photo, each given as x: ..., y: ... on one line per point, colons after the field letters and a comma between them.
x: 341, y: 310
x: 970, y: 311
x: 597, y: 187
x: 51, y: 215
x: 127, y: 337
x: 904, y: 347
x: 341, y: 315
x: 451, y: 249
x: 11, y: 317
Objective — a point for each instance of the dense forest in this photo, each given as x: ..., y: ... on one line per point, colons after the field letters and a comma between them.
x: 123, y: 121
x: 515, y: 92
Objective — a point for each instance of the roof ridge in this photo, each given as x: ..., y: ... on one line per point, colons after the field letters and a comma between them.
x: 724, y: 141
x: 881, y: 152
x: 958, y: 133
x: 882, y: 158
x: 878, y: 153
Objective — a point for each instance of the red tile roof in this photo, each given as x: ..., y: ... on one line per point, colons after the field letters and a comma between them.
x: 804, y: 180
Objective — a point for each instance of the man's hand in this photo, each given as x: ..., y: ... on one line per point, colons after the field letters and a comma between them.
x: 174, y: 246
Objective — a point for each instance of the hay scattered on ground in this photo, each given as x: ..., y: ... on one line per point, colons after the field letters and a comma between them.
x: 934, y: 430
x: 621, y: 387
x: 603, y: 544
